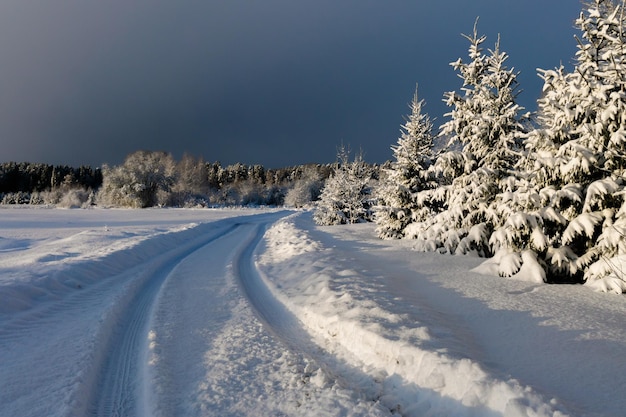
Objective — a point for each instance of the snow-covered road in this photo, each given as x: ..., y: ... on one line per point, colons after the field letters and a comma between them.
x: 262, y: 313
x: 171, y: 322
x: 209, y: 354
x: 121, y: 385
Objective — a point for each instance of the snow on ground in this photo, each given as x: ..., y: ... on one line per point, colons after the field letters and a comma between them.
x: 37, y: 244
x: 260, y: 312
x: 440, y: 340
x: 143, y: 313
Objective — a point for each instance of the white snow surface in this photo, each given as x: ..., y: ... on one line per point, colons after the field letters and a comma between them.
x: 174, y: 312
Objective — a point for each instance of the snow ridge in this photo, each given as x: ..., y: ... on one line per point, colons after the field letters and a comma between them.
x: 415, y: 379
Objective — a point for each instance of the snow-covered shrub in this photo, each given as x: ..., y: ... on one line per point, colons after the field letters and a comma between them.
x: 250, y: 193
x: 305, y: 190
x: 20, y: 197
x: 36, y: 198
x: 187, y: 199
x: 144, y: 180
x: 75, y: 198
x: 190, y: 184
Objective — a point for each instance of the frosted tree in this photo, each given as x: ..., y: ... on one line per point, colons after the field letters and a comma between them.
x: 571, y: 214
x: 485, y: 134
x: 305, y: 189
x: 485, y: 121
x: 143, y: 180
x: 191, y: 184
x: 594, y: 157
x: 531, y: 208
x: 346, y: 196
x: 398, y: 201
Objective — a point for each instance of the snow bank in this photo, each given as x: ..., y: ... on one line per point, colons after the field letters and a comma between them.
x: 514, y: 265
x: 351, y: 318
x: 43, y: 259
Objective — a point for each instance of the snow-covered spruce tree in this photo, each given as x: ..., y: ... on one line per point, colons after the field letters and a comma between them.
x: 531, y: 225
x: 485, y: 134
x: 594, y: 157
x: 397, y: 193
x: 346, y: 196
x: 574, y: 221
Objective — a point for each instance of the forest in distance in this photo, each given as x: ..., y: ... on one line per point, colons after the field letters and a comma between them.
x: 160, y: 180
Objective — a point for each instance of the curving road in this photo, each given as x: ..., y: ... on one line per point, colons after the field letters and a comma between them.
x: 191, y: 330
x: 221, y: 344
x: 119, y: 384
x: 185, y: 297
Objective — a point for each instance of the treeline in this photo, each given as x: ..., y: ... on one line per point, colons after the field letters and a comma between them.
x: 155, y: 178
x: 30, y: 177
x: 148, y: 179
x: 37, y: 183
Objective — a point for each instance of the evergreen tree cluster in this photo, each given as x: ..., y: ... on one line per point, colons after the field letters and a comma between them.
x: 35, y: 183
x: 544, y: 197
x: 29, y: 177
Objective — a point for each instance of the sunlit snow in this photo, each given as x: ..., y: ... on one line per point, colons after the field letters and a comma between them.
x: 261, y: 312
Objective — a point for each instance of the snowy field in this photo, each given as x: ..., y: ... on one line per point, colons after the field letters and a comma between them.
x: 261, y: 313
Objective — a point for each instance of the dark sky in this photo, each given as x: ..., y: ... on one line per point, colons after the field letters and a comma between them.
x: 272, y: 82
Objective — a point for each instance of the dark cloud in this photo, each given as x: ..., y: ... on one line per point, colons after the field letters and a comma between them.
x: 276, y: 82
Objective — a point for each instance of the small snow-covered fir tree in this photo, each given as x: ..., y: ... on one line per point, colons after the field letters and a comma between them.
x: 485, y: 134
x: 346, y: 196
x: 408, y: 175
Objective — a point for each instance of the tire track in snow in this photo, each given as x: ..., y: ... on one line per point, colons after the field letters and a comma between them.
x: 119, y: 383
x: 288, y: 328
x: 271, y: 311
x: 57, y: 346
x: 212, y: 354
